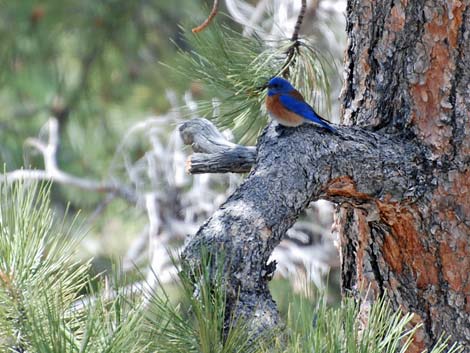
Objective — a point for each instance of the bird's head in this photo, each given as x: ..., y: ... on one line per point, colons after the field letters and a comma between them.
x: 278, y: 85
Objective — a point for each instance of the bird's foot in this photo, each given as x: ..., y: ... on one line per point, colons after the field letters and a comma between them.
x: 282, y: 130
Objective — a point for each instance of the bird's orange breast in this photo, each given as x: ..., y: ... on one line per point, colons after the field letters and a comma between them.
x: 283, y: 116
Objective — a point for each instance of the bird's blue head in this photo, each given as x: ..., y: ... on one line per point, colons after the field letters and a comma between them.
x: 278, y: 85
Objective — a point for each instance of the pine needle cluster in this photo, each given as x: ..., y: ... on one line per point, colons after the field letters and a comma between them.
x: 49, y: 303
x: 234, y: 69
x: 316, y: 327
x: 42, y: 305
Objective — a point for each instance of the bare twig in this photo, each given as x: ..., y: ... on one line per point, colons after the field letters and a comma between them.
x: 295, y: 35
x: 295, y: 41
x: 214, y: 153
x: 238, y: 160
x: 208, y: 20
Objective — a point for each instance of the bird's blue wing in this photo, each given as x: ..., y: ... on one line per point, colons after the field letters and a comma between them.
x: 300, y: 107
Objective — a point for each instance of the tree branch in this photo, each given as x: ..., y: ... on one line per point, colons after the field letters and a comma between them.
x: 215, y: 153
x: 52, y: 172
x: 293, y: 169
x: 209, y: 19
x: 300, y: 19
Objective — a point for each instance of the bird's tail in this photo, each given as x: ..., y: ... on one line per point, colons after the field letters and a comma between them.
x: 317, y: 119
x: 327, y: 126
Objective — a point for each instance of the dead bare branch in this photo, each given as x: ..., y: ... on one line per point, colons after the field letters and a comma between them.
x: 215, y: 154
x: 53, y: 173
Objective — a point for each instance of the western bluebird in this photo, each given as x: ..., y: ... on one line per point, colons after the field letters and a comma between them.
x: 287, y: 106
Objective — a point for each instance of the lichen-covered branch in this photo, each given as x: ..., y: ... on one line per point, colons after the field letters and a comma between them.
x: 293, y: 169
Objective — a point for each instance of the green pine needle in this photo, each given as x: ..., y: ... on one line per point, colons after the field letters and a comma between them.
x: 233, y: 68
x: 42, y: 308
x: 197, y: 324
x: 313, y: 326
x: 41, y: 283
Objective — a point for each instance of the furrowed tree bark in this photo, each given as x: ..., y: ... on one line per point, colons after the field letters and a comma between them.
x: 400, y: 174
x: 408, y: 74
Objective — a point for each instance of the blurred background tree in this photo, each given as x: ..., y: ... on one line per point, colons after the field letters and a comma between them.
x: 91, y: 64
x: 95, y: 66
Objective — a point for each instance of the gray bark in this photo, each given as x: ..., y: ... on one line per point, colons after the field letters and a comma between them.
x: 214, y: 154
x: 292, y: 170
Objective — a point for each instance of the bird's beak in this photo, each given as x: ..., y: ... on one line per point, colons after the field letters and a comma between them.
x: 263, y: 87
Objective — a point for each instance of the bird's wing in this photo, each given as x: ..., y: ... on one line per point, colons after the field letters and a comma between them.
x: 296, y: 104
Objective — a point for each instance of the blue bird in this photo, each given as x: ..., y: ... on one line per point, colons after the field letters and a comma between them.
x: 287, y: 106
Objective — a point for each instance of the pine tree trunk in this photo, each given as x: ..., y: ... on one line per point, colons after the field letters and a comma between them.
x: 408, y: 75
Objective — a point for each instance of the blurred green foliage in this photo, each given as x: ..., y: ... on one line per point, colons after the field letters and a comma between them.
x: 92, y: 64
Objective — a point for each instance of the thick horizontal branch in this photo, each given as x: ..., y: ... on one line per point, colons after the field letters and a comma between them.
x: 237, y: 160
x: 294, y: 167
x: 214, y: 153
